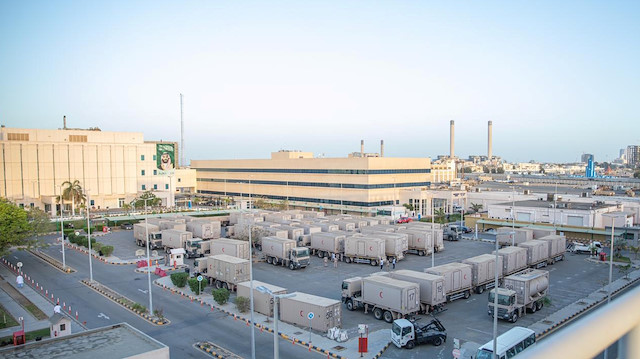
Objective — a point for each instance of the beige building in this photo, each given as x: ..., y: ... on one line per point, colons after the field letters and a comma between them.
x: 112, y: 167
x: 366, y: 185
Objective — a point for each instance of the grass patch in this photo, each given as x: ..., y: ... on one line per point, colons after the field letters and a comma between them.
x: 37, y: 313
x: 622, y: 259
x: 42, y: 333
x: 6, y: 320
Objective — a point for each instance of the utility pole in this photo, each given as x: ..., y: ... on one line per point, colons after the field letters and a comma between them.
x: 146, y: 226
x: 89, y: 237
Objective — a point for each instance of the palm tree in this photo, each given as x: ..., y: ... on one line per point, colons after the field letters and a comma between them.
x: 476, y: 207
x: 439, y: 213
x: 73, y: 192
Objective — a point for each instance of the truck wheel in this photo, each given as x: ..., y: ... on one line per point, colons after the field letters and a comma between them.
x: 374, y: 263
x: 225, y: 286
x: 268, y: 260
x: 421, y: 253
x: 275, y: 261
x: 410, y: 344
x: 348, y: 260
x: 437, y: 341
x: 533, y: 308
x: 350, y: 306
x: 291, y: 266
x: 218, y: 284
x: 377, y: 313
x: 480, y: 289
x: 514, y: 318
x: 388, y: 317
x: 540, y: 304
x: 467, y: 294
x: 320, y: 254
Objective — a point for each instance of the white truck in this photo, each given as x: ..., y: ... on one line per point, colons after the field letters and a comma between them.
x: 520, y: 292
x: 279, y: 251
x: 223, y: 271
x: 577, y: 247
x: 232, y: 247
x: 140, y: 231
x: 364, y: 250
x: 388, y: 298
x: 174, y: 238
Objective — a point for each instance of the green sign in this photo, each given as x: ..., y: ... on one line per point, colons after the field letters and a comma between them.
x: 165, y: 157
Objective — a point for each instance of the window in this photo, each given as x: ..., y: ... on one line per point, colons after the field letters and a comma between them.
x: 93, y: 202
x: 77, y: 138
x: 144, y: 187
x: 141, y: 157
x: 166, y: 186
x: 154, y: 157
x: 155, y: 186
x: 179, y: 179
x: 155, y: 172
x: 142, y: 172
x: 63, y: 327
x: 120, y: 202
x: 18, y: 137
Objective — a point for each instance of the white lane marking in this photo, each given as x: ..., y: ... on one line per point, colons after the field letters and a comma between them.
x: 102, y: 315
x: 144, y: 291
x: 479, y: 331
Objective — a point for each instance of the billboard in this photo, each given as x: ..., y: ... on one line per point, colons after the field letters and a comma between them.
x: 165, y: 158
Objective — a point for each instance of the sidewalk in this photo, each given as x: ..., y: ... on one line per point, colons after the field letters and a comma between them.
x: 45, y: 305
x: 378, y: 340
x: 17, y: 311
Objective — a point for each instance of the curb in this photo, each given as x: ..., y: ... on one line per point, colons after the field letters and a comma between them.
x: 123, y: 302
x: 102, y: 259
x: 51, y: 261
x: 379, y: 354
x: 262, y: 327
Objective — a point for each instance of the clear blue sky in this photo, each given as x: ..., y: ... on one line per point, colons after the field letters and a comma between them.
x: 558, y: 78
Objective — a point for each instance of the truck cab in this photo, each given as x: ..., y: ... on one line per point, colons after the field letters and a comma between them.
x: 299, y: 257
x: 452, y: 233
x: 351, y: 287
x: 507, y: 304
x: 192, y: 247
x: 407, y: 334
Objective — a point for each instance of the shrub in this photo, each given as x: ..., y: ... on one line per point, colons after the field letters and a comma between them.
x: 195, y: 287
x: 98, y: 227
x: 93, y: 229
x: 107, y: 250
x: 96, y: 246
x: 159, y: 313
x: 179, y: 279
x: 139, y: 307
x: 221, y: 296
x: 243, y: 304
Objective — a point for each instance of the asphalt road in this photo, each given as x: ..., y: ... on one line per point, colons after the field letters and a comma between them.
x: 189, y: 322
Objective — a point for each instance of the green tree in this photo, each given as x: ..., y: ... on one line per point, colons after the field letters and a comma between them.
x: 39, y: 222
x: 73, y: 192
x: 14, y: 226
x: 152, y: 200
x: 439, y: 213
x: 408, y: 206
x: 476, y: 207
x: 243, y: 304
x: 221, y: 296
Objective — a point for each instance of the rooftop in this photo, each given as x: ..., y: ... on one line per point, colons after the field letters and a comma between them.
x: 584, y: 206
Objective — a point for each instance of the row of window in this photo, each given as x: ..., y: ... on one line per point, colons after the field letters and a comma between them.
x: 142, y: 157
x: 301, y: 199
x: 155, y: 172
x: 319, y: 184
x: 155, y: 186
x: 317, y: 171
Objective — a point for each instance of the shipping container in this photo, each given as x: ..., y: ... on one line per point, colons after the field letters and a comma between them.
x: 173, y: 238
x: 359, y: 249
x: 328, y: 226
x: 537, y: 252
x: 293, y: 233
x: 327, y: 313
x: 507, y: 236
x: 514, y: 259
x: 323, y: 244
x: 542, y: 232
x: 226, y: 271
x: 345, y: 226
x: 483, y: 271
x: 557, y: 247
x: 232, y: 247
x: 200, y: 229
x: 262, y: 302
x: 432, y: 288
x: 390, y: 294
x: 420, y: 241
x: 457, y: 279
x: 396, y: 244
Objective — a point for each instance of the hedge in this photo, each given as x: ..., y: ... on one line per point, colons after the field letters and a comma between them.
x: 221, y: 296
x: 179, y: 279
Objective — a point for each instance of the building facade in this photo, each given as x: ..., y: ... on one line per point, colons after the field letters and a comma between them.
x: 366, y: 185
x: 111, y: 167
x: 632, y: 155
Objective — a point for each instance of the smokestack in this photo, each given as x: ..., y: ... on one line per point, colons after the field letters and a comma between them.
x: 64, y: 122
x: 451, y: 138
x: 381, y: 148
x: 490, y: 139
x: 361, y: 148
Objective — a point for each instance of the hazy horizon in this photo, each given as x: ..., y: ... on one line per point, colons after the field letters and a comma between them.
x: 556, y: 79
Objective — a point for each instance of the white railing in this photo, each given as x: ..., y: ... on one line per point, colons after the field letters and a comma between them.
x: 591, y: 335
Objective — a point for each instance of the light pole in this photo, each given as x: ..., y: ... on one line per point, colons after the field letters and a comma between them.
x: 64, y: 262
x: 146, y: 228
x: 253, y: 335
x: 513, y: 217
x: 276, y: 298
x: 433, y: 233
x: 495, y: 304
x: 89, y: 236
x: 613, y: 225
x: 341, y: 197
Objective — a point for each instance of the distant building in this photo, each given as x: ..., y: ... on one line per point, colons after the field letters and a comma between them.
x: 590, y: 171
x: 578, y: 214
x: 632, y: 154
x: 586, y: 157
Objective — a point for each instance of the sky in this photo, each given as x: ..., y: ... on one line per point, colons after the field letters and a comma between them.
x: 557, y: 78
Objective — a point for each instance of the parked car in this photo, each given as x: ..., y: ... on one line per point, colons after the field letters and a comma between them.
x: 490, y: 231
x: 404, y: 220
x: 126, y: 226
x: 465, y: 229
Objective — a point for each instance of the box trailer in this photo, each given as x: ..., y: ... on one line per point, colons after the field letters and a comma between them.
x: 327, y: 312
x: 262, y: 302
x: 420, y: 241
x: 232, y: 247
x: 358, y: 249
x: 542, y: 232
x: 324, y: 244
x: 457, y: 279
x: 396, y: 244
x: 507, y: 236
x: 432, y: 292
x: 223, y: 271
x: 514, y: 259
x: 537, y: 252
x: 483, y: 271
x: 279, y: 251
x: 557, y: 247
x: 345, y: 226
x: 388, y: 298
x: 201, y: 229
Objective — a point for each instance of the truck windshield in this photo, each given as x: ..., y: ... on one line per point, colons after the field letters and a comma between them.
x: 502, y: 299
x: 345, y: 285
x: 302, y: 252
x: 397, y: 330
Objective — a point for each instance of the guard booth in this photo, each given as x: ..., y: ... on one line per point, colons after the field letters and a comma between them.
x: 59, y: 325
x: 176, y: 257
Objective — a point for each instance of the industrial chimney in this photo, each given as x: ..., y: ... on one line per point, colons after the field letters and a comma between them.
x: 361, y: 148
x: 381, y: 148
x: 490, y: 139
x: 451, y: 138
x: 64, y: 122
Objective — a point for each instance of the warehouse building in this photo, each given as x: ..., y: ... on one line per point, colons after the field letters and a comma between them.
x: 112, y: 167
x: 354, y: 184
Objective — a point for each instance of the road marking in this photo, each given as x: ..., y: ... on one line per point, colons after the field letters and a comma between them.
x: 470, y: 300
x: 479, y: 331
x: 144, y: 291
x: 102, y: 315
x: 551, y: 270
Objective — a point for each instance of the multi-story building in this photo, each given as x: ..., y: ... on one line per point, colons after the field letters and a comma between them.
x: 111, y: 167
x: 632, y: 155
x: 586, y: 157
x: 577, y: 214
x: 353, y: 184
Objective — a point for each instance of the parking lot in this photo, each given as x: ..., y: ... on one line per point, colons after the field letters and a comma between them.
x: 467, y: 320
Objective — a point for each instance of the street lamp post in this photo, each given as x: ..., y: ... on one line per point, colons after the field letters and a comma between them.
x: 146, y: 227
x: 253, y: 336
x: 64, y: 262
x: 513, y: 217
x: 613, y: 226
x: 433, y: 233
x: 276, y: 298
x: 89, y: 236
x: 495, y: 305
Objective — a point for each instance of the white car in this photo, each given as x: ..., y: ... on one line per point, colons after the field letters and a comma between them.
x: 585, y: 248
